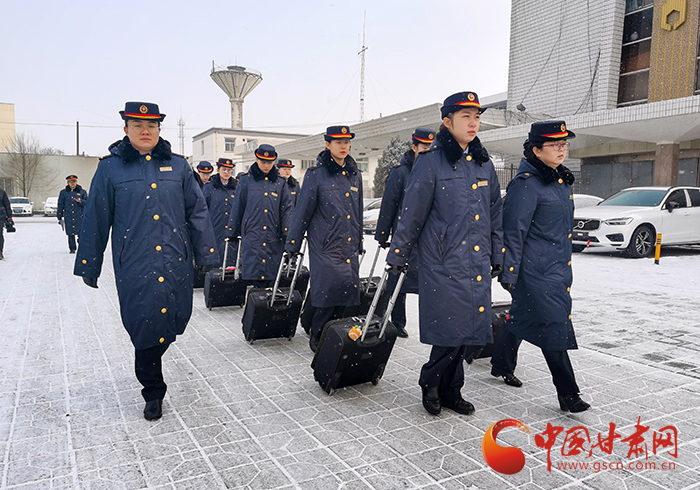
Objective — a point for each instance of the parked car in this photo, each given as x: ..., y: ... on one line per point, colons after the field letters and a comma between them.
x: 586, y: 201
x: 51, y: 206
x: 370, y: 215
x: 631, y: 219
x: 21, y: 206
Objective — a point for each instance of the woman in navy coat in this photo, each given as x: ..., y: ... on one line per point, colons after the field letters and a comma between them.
x: 388, y: 221
x: 71, y: 206
x: 330, y: 211
x: 219, y: 193
x: 260, y: 216
x: 149, y: 199
x: 452, y: 213
x: 537, y: 223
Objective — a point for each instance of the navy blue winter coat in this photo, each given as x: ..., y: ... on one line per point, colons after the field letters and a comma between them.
x: 71, y: 210
x: 219, y: 198
x: 260, y: 216
x: 5, y: 209
x: 452, y: 211
x: 390, y: 212
x: 159, y: 221
x: 537, y: 224
x: 330, y: 211
x: 294, y: 189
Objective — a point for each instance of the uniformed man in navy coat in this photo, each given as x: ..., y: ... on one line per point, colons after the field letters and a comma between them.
x: 389, y: 215
x: 219, y: 193
x: 149, y: 199
x: 71, y: 205
x: 203, y: 174
x: 452, y: 212
x: 538, y: 220
x: 260, y: 215
x: 330, y: 211
x: 285, y: 167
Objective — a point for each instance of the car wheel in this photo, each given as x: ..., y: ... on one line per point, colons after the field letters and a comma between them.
x: 642, y: 242
x: 578, y: 248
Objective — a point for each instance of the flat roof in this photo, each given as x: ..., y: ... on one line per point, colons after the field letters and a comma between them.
x: 247, y: 132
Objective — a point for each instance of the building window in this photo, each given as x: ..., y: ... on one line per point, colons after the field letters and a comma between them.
x: 307, y: 164
x: 636, y: 52
x: 230, y: 144
x: 697, y: 74
x: 202, y: 142
x: 363, y: 164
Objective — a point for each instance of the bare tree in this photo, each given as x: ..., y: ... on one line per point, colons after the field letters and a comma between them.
x: 25, y: 162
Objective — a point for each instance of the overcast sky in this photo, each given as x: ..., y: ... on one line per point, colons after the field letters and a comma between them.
x: 63, y: 62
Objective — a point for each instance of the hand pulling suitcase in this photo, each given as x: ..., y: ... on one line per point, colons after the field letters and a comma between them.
x: 198, y: 279
x: 302, y: 284
x: 222, y: 289
x: 499, y: 316
x: 345, y: 360
x: 368, y: 289
x: 273, y: 313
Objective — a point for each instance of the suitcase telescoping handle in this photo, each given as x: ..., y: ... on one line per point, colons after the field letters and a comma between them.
x: 371, y: 271
x: 223, y: 267
x: 237, y: 270
x: 375, y: 302
x: 283, y: 262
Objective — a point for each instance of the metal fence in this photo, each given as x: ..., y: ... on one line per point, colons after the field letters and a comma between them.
x: 506, y: 174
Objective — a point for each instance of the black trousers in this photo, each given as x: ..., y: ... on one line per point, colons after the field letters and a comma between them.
x: 71, y: 243
x: 445, y: 370
x: 321, y: 317
x: 149, y: 372
x: 505, y: 359
x: 2, y: 238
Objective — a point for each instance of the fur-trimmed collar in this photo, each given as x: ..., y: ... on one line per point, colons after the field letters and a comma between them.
x: 549, y: 174
x: 453, y: 151
x: 292, y: 182
x: 128, y: 153
x: 408, y: 159
x: 258, y: 174
x: 216, y: 182
x: 77, y: 188
x: 326, y: 160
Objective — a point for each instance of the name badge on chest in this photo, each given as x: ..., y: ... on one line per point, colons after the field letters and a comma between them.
x: 166, y: 169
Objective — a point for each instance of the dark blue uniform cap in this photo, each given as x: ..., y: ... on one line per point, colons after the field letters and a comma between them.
x: 284, y: 163
x: 423, y: 136
x: 549, y: 131
x: 338, y: 133
x: 141, y: 111
x: 224, y: 162
x: 460, y: 100
x: 266, y: 152
x: 72, y: 177
x: 204, y: 167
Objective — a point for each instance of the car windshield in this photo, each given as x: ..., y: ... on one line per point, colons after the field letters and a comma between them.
x: 19, y: 200
x: 635, y: 197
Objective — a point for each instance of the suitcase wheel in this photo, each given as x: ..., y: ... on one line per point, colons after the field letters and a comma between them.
x: 290, y: 338
x: 209, y: 308
x: 251, y: 341
x: 331, y: 392
x: 375, y: 381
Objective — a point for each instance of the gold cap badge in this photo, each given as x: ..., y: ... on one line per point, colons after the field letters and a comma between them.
x: 470, y: 96
x: 143, y: 109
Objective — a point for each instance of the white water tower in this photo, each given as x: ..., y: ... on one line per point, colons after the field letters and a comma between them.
x: 237, y: 82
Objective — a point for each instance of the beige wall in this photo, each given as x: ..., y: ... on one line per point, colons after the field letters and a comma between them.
x: 7, y: 123
x: 58, y: 167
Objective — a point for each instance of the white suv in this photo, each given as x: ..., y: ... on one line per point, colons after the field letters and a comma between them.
x: 631, y: 219
x: 21, y: 206
x: 51, y: 206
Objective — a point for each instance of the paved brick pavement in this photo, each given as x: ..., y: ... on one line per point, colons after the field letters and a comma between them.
x: 251, y: 416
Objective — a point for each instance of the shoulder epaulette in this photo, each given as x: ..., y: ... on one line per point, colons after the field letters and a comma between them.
x: 315, y: 167
x: 432, y: 147
x: 106, y: 156
x: 178, y: 155
x: 524, y: 176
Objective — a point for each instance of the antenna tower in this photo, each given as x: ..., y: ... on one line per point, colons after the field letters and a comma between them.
x: 362, y: 71
x: 181, y: 133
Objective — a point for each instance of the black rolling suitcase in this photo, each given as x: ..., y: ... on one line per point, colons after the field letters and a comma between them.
x: 273, y: 313
x: 302, y: 284
x: 355, y: 350
x: 499, y: 316
x: 224, y: 288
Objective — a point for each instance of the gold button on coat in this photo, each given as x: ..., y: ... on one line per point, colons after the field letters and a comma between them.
x: 211, y: 250
x: 266, y: 210
x: 164, y: 310
x: 569, y: 263
x: 343, y: 172
x: 347, y: 194
x: 349, y: 239
x: 154, y: 185
x: 569, y: 235
x: 158, y: 248
x: 469, y: 158
x: 473, y: 186
x: 148, y: 158
x: 264, y: 227
x: 84, y: 261
x: 264, y: 244
x: 476, y: 248
x: 161, y: 279
x: 481, y: 309
x: 348, y: 261
x: 511, y: 269
x: 156, y: 217
x: 161, y: 340
x: 478, y: 278
x: 476, y: 217
x: 503, y: 250
x: 568, y: 289
x: 262, y: 278
x: 266, y: 193
x: 561, y: 181
x: 397, y: 250
x: 349, y: 218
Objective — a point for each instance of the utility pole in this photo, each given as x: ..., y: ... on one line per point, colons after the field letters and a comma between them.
x: 181, y: 133
x: 362, y: 71
x: 77, y: 138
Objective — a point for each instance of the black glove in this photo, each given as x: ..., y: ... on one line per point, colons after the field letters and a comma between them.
x: 397, y: 269
x: 384, y: 244
x: 206, y: 268
x: 10, y: 225
x: 291, y: 254
x: 59, y: 221
x: 496, y: 270
x: 508, y: 286
x: 90, y: 281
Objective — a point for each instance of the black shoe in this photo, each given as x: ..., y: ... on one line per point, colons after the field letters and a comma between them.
x: 153, y: 410
x: 431, y: 400
x: 1, y: 256
x: 72, y: 251
x: 401, y: 332
x: 313, y: 343
x: 459, y: 406
x: 509, y: 378
x: 572, y: 403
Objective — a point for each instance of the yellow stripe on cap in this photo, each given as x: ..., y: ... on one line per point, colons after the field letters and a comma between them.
x: 557, y: 135
x: 265, y: 158
x: 143, y: 116
x: 427, y: 142
x: 469, y: 103
x: 339, y: 135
